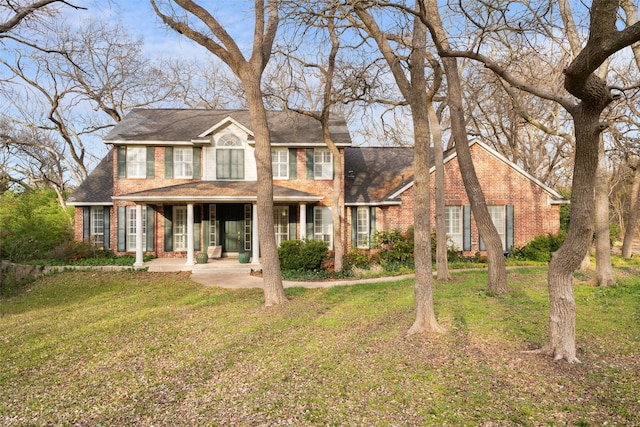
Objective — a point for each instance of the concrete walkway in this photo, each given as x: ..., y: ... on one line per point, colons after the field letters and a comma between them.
x: 229, y: 273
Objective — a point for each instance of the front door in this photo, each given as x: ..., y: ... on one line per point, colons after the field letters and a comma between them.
x: 232, y: 228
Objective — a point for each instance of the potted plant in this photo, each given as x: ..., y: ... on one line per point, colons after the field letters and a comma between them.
x: 243, y: 257
x: 202, y: 258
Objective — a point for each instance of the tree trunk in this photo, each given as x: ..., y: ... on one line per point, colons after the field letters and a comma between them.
x: 425, y: 320
x: 562, y: 333
x: 495, y: 252
x: 632, y: 216
x: 604, y: 270
x: 272, y: 279
x: 336, y: 216
x: 442, y: 264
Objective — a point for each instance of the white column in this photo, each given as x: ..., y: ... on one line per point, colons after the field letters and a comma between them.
x: 190, y: 257
x: 255, y: 241
x: 303, y: 221
x: 139, y: 237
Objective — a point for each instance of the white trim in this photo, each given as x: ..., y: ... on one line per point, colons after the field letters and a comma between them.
x: 382, y: 203
x: 150, y: 143
x: 213, y: 199
x: 222, y: 123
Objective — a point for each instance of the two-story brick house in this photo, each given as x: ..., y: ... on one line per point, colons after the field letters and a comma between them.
x: 179, y: 181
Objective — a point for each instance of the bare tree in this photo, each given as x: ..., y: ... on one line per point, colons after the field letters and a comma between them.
x: 219, y: 42
x: 589, y: 96
x: 413, y: 86
x: 13, y: 13
x: 496, y: 263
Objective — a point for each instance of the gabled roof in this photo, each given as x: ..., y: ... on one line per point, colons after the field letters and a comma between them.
x: 379, y: 175
x: 97, y: 188
x: 187, y: 126
x: 216, y: 191
x: 373, y: 173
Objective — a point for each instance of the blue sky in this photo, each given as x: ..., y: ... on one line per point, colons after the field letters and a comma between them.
x: 159, y: 40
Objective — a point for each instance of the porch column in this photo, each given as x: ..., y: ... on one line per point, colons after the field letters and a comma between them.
x: 190, y: 258
x: 139, y: 238
x: 255, y: 241
x: 303, y: 221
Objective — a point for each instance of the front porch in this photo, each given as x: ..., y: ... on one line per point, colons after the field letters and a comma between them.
x: 214, y: 265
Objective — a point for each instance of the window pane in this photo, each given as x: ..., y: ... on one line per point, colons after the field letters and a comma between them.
x: 136, y: 162
x: 212, y: 225
x: 280, y: 163
x: 322, y: 164
x: 453, y: 225
x: 281, y: 223
x: 97, y: 225
x: 322, y: 225
x: 497, y: 214
x: 183, y: 162
x: 131, y: 228
x: 362, y: 227
x: 180, y: 228
x: 229, y: 163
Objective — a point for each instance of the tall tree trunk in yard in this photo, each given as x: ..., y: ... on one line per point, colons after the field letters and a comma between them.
x: 442, y: 263
x: 632, y: 217
x: 495, y: 252
x: 414, y: 91
x: 604, y: 269
x: 272, y: 278
x: 250, y: 71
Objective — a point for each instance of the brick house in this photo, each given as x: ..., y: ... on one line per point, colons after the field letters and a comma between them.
x: 179, y: 181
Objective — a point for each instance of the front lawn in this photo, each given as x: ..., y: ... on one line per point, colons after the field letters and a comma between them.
x: 140, y: 348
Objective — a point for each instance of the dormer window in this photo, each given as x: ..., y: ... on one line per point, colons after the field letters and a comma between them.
x: 229, y: 157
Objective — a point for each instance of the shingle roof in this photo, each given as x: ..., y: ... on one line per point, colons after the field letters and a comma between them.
x: 212, y: 191
x: 97, y: 188
x: 373, y: 173
x: 172, y: 125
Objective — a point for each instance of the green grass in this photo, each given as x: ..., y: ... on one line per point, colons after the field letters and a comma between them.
x: 140, y: 348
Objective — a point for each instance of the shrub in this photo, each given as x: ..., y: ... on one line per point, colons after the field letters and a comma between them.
x: 301, y: 255
x: 396, y: 249
x: 540, y: 248
x: 357, y: 258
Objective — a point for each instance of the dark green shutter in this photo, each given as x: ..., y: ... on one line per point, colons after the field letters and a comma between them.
x: 206, y: 224
x: 107, y: 226
x: 86, y: 226
x: 372, y: 225
x: 168, y: 162
x: 310, y: 223
x: 466, y: 227
x: 293, y: 220
x: 151, y: 162
x: 197, y: 222
x: 354, y: 227
x: 310, y: 172
x: 197, y: 155
x: 122, y: 228
x: 151, y: 231
x: 168, y: 228
x: 293, y: 163
x: 122, y: 162
x: 509, y: 230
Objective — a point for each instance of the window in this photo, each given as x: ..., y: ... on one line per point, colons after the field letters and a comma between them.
x: 229, y: 157
x: 453, y: 225
x: 247, y: 227
x: 183, y: 162
x: 212, y: 225
x: 322, y: 164
x: 280, y: 163
x: 497, y: 214
x: 131, y: 228
x: 136, y: 162
x: 179, y: 228
x: 322, y: 225
x: 281, y: 223
x: 362, y: 227
x: 97, y: 225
